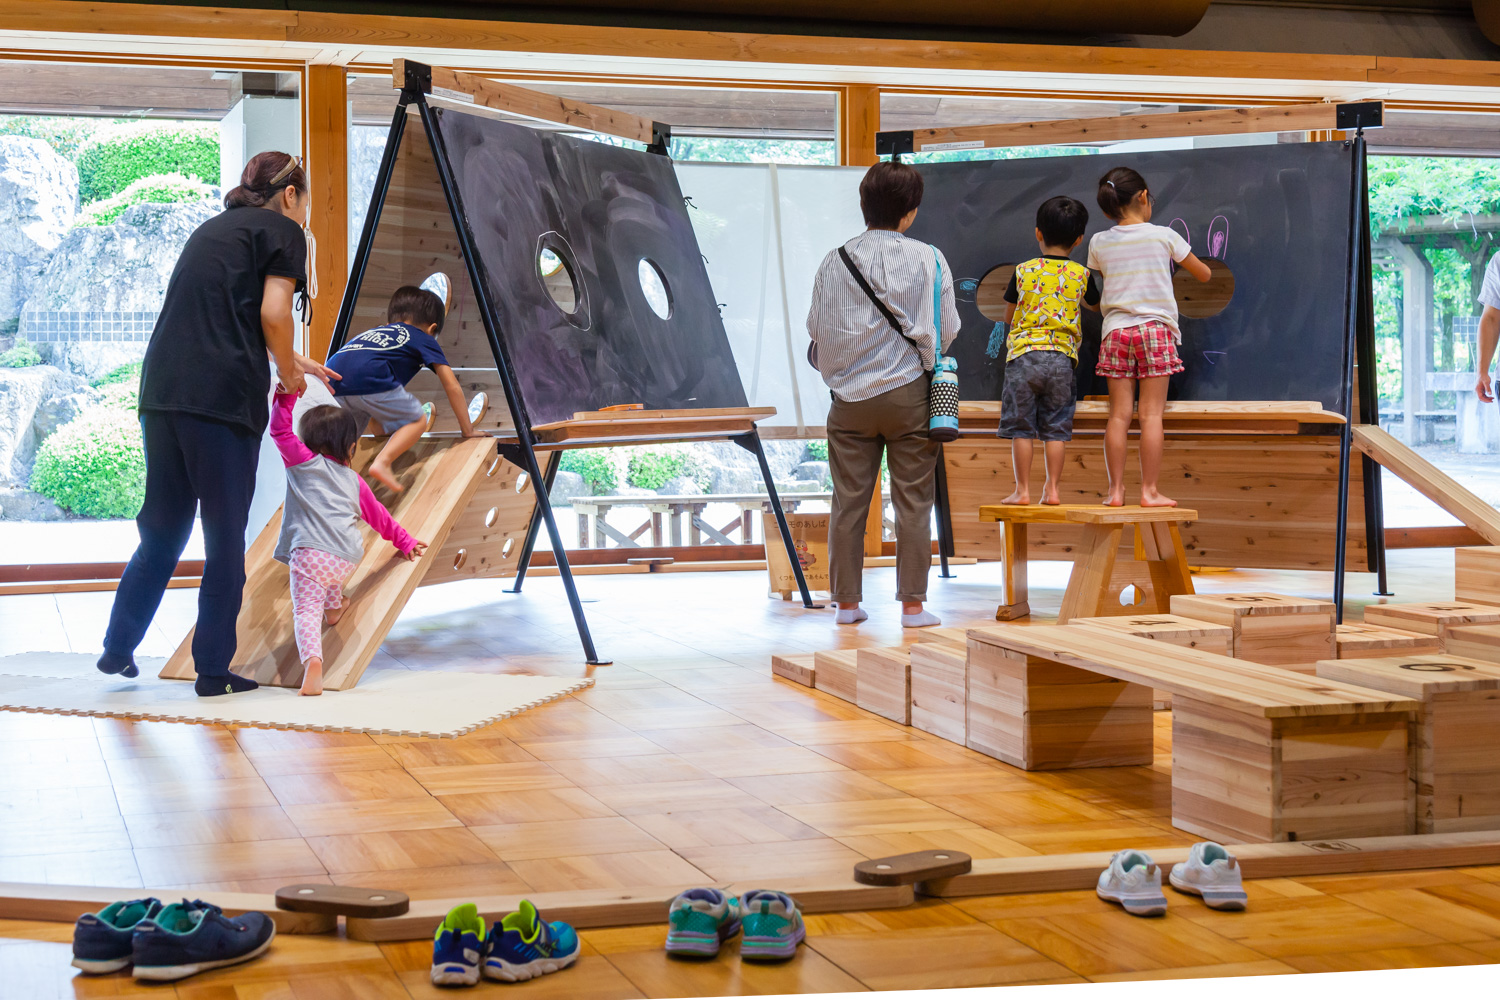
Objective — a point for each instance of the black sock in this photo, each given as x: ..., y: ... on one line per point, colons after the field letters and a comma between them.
x: 114, y: 663
x: 217, y: 684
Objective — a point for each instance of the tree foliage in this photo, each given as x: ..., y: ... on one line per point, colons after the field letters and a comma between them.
x: 157, y: 189
x: 65, y: 135
x: 120, y: 154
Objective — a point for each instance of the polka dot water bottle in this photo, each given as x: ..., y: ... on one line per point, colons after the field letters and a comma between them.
x: 942, y: 397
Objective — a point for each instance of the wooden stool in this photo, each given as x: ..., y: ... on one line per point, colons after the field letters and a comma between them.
x: 1456, y: 741
x: 1158, y: 543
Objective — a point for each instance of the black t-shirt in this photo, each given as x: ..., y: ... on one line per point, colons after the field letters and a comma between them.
x: 207, y: 355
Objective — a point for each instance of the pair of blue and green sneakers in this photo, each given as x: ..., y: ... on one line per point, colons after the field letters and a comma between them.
x: 701, y: 920
x: 166, y: 943
x: 521, y: 946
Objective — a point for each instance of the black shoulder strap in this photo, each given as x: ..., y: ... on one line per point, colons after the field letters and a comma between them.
x: 864, y: 285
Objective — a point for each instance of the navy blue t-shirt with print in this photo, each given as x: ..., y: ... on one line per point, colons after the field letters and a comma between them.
x: 384, y: 358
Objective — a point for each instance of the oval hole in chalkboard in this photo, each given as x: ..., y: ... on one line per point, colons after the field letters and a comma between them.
x: 557, y: 278
x: 654, y: 287
x: 438, y: 284
x: 1202, y: 299
x: 990, y: 295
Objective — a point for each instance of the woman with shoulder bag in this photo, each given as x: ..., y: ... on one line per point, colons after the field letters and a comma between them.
x: 878, y: 303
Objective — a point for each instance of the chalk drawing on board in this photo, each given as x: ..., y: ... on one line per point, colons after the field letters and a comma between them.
x: 1181, y: 228
x: 1218, y: 237
x: 997, y: 342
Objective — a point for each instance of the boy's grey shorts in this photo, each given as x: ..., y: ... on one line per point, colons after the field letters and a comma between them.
x: 391, y: 410
x: 1037, y: 401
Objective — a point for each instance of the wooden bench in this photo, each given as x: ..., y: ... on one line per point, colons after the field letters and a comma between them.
x: 1455, y: 745
x: 1177, y: 630
x: 1258, y: 753
x: 1158, y: 544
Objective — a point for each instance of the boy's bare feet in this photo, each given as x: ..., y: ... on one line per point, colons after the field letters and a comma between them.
x: 384, y: 475
x: 1155, y: 499
x: 1018, y: 498
x: 1051, y: 497
x: 312, y: 677
x: 331, y: 616
x: 1116, y: 498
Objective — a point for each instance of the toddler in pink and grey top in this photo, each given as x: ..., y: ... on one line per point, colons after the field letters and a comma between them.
x: 320, y: 538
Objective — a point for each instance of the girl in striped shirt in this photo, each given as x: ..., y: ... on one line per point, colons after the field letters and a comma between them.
x: 1140, y: 333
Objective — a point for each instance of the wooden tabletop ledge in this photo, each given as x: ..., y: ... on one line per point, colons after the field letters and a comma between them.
x: 1036, y: 513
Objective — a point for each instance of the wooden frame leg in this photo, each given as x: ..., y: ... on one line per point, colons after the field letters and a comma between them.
x: 1088, y: 585
x: 1013, y: 594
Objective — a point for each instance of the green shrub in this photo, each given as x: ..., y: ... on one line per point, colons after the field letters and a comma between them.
x: 120, y: 154
x: 21, y: 355
x: 596, y: 466
x: 158, y: 189
x: 126, y: 373
x: 65, y: 135
x: 94, y: 465
x: 817, y: 451
x: 652, y: 468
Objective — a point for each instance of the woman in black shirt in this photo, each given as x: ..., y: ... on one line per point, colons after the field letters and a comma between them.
x: 203, y: 405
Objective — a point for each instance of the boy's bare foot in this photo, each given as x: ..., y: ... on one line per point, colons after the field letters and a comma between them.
x: 1155, y: 499
x: 1051, y: 497
x: 383, y: 474
x: 331, y: 616
x: 312, y: 677
x: 1018, y: 498
x: 1115, y: 499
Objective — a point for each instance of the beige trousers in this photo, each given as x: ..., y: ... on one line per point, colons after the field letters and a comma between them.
x: 893, y: 422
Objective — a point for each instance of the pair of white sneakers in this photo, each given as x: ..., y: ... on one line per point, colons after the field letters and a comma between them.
x: 1134, y: 881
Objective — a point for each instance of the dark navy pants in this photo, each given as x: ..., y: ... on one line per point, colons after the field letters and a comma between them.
x: 191, y: 462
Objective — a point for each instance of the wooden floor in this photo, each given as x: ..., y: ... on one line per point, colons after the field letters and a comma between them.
x: 687, y: 763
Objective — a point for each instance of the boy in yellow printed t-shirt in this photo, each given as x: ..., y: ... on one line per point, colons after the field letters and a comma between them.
x: 1046, y: 295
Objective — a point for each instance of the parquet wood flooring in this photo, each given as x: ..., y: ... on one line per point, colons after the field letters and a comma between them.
x: 687, y: 762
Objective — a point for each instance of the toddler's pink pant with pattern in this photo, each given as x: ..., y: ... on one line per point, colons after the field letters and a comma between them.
x: 317, y: 584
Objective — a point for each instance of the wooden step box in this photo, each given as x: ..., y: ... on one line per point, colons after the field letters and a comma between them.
x: 1478, y: 642
x: 1275, y: 629
x: 1455, y: 738
x: 940, y: 690
x: 1174, y: 629
x: 882, y: 683
x: 1366, y: 641
x: 1476, y: 574
x: 1431, y: 617
x: 835, y: 671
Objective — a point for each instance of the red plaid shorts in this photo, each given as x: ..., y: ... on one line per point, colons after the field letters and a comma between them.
x: 1145, y: 351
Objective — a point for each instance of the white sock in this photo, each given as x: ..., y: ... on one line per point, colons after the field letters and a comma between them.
x: 849, y: 616
x: 920, y: 620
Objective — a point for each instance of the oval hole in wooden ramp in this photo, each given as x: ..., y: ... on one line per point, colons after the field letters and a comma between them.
x: 491, y: 516
x: 430, y: 414
x: 478, y: 406
x: 990, y: 295
x: 521, y: 482
x: 461, y: 558
x: 1202, y: 299
x: 505, y: 549
x: 438, y: 284
x: 494, y: 467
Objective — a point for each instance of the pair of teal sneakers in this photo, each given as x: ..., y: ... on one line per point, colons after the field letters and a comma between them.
x: 699, y: 921
x: 519, y: 947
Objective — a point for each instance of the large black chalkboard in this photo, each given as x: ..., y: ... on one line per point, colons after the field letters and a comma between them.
x: 1283, y: 210
x: 603, y: 209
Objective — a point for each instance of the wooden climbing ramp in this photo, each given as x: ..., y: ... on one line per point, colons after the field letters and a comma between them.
x: 1430, y: 481
x: 442, y: 477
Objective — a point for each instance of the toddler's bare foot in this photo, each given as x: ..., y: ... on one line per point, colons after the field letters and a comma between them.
x: 1051, y: 497
x: 1115, y: 498
x: 312, y: 677
x: 1018, y: 498
x: 1155, y: 499
x: 331, y: 616
x: 383, y: 474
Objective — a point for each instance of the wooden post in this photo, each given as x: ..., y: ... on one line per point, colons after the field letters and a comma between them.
x: 327, y: 102
x: 859, y: 120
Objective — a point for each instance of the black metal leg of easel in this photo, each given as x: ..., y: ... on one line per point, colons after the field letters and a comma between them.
x: 1375, y: 524
x: 751, y: 443
x: 944, y: 525
x: 1341, y: 535
x: 523, y: 456
x: 535, y: 524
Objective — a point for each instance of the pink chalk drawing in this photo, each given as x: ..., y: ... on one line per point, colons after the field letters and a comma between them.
x: 1218, y: 237
x: 1181, y: 229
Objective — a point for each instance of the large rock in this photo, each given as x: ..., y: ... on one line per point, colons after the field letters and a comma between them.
x: 34, y: 402
x: 17, y: 504
x: 680, y: 486
x: 732, y: 469
x: 122, y: 267
x: 565, y: 486
x: 38, y: 200
x: 93, y: 359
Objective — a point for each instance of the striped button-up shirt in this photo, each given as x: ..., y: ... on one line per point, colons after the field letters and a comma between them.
x: 859, y: 355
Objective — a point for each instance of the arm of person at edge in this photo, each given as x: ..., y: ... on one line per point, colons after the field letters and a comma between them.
x: 1489, y: 335
x: 293, y: 451
x: 373, y: 513
x: 455, y: 395
x: 276, y: 321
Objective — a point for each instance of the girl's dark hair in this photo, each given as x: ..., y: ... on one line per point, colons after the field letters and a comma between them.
x: 1117, y: 189
x: 330, y: 431
x: 889, y: 191
x: 263, y: 179
x: 417, y: 306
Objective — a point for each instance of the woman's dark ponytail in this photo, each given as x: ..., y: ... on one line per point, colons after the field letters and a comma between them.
x: 263, y: 179
x: 1117, y: 189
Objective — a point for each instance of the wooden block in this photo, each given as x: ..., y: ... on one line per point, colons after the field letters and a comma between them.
x: 66, y: 903
x: 1175, y: 629
x: 835, y: 671
x: 1455, y: 739
x: 907, y: 869
x: 1238, y: 777
x: 1476, y: 574
x: 1268, y: 628
x: 1038, y: 714
x: 939, y: 690
x: 1431, y: 618
x: 342, y: 900
x: 1479, y: 642
x: 882, y: 683
x: 798, y: 667
x: 1359, y: 641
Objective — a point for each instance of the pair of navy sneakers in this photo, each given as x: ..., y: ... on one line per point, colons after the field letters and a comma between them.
x: 165, y: 943
x: 519, y: 947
